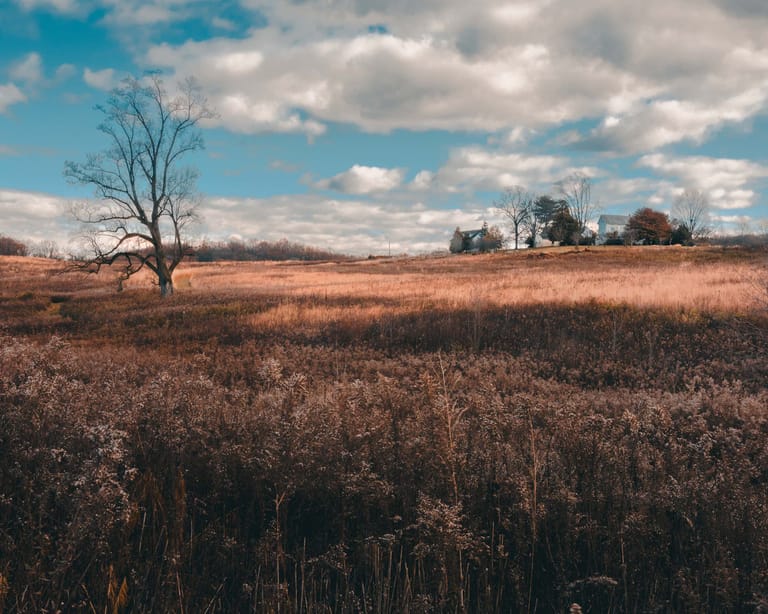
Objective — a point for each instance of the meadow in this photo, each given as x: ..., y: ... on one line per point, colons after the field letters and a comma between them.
x: 511, y: 432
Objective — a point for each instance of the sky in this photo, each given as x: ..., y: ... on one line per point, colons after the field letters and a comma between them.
x: 379, y: 126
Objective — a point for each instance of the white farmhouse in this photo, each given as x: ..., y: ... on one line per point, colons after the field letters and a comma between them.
x: 611, y: 226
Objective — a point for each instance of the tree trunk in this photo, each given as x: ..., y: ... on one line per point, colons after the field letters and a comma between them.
x: 165, y: 279
x: 164, y: 275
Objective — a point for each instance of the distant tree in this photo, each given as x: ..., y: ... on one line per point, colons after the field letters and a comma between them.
x: 543, y: 209
x: 691, y: 209
x: 12, y: 247
x: 744, y: 226
x: 516, y: 205
x: 576, y: 190
x: 492, y: 240
x: 681, y: 235
x: 146, y: 198
x: 563, y: 228
x: 457, y: 241
x: 616, y: 238
x: 649, y: 226
x: 46, y: 249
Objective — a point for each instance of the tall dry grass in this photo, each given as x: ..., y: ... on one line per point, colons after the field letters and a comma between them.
x: 679, y: 281
x: 423, y: 435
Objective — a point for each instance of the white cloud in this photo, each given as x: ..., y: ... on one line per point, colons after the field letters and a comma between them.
x: 239, y: 63
x: 34, y: 216
x: 65, y: 72
x: 9, y: 95
x: 62, y: 6
x: 650, y: 74
x: 725, y: 180
x: 423, y: 180
x: 100, y: 79
x: 223, y: 24
x: 141, y: 13
x: 477, y: 168
x: 364, y: 180
x: 663, y: 122
x: 348, y: 226
x: 383, y: 82
x: 358, y: 226
x: 28, y: 70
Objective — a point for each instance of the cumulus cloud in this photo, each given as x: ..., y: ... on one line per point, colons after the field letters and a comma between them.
x: 100, y: 79
x: 725, y: 180
x: 9, y: 95
x: 62, y: 6
x: 29, y: 69
x: 65, y: 72
x: 223, y: 24
x: 142, y: 13
x: 663, y: 122
x: 356, y: 226
x: 423, y: 180
x: 383, y: 82
x: 364, y: 180
x: 651, y: 74
x: 32, y: 216
x: 477, y: 168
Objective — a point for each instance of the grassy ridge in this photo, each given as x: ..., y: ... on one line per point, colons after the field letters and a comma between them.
x: 386, y: 437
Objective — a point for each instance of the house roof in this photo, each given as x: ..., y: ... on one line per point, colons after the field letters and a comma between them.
x: 614, y: 219
x: 471, y: 234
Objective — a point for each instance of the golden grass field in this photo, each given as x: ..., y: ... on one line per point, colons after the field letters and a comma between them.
x: 698, y: 279
x: 509, y: 432
x: 656, y: 277
x: 674, y: 277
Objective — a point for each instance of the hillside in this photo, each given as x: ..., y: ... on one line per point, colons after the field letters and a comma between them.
x: 496, y: 433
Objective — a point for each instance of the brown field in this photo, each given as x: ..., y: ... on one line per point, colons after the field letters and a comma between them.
x: 491, y: 433
x: 642, y: 277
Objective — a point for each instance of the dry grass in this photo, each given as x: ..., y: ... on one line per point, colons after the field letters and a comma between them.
x: 502, y: 433
x: 636, y: 276
x: 708, y: 279
x: 702, y: 280
x: 269, y: 296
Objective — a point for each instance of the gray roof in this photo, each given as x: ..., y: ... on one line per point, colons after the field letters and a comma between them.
x: 614, y: 219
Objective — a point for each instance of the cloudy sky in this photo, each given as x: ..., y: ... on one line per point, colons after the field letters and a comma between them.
x: 369, y: 125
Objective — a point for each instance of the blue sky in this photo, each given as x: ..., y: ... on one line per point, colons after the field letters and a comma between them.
x: 356, y: 124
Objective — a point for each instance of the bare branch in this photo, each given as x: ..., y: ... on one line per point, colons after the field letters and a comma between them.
x: 576, y: 189
x: 691, y: 209
x: 515, y: 204
x: 145, y: 199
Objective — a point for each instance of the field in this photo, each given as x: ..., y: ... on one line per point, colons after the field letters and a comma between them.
x: 512, y: 432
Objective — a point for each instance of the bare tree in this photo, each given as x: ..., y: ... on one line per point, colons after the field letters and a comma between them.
x: 691, y: 209
x: 576, y: 189
x: 46, y: 249
x: 515, y: 204
x: 146, y: 198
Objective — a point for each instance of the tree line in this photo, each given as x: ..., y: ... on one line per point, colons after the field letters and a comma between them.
x: 563, y: 219
x: 209, y: 251
x: 41, y: 249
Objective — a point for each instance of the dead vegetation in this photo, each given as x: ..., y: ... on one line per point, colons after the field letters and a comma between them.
x: 492, y: 433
